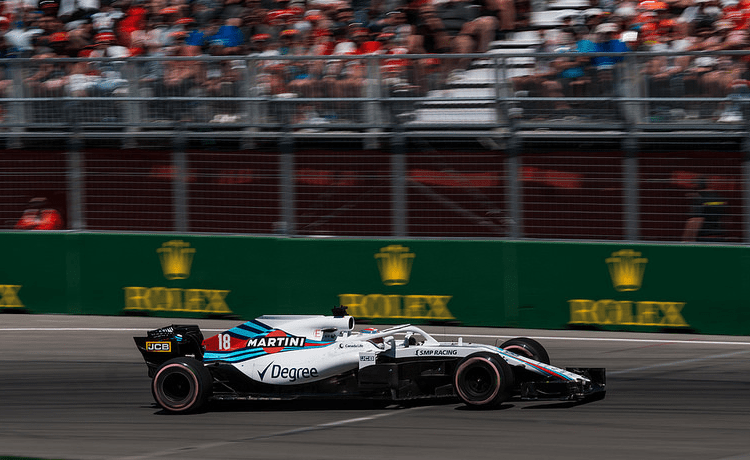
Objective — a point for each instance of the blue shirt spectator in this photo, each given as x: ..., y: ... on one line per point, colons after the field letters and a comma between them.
x: 195, y: 38
x: 228, y: 35
x: 607, y: 42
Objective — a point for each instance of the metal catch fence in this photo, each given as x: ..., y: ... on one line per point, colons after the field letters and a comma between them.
x: 502, y: 89
x: 416, y: 193
x: 410, y: 151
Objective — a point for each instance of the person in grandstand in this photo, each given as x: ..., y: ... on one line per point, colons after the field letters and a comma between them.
x: 470, y: 29
x: 39, y: 215
x: 48, y: 79
x: 606, y: 40
x: 574, y: 75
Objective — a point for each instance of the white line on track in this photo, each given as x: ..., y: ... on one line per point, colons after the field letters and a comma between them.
x: 737, y: 457
x: 602, y: 339
x: 305, y: 429
x: 677, y: 363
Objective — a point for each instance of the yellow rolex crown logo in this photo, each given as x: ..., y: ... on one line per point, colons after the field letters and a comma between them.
x: 176, y: 258
x: 394, y: 264
x: 626, y: 268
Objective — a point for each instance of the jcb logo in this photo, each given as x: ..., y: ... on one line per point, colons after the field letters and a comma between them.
x: 159, y: 346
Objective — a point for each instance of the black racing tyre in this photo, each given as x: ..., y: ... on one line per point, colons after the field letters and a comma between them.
x: 483, y: 380
x: 182, y: 385
x: 527, y: 347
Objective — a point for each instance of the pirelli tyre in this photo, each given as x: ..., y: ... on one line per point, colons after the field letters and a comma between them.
x: 182, y: 385
x: 527, y: 347
x: 483, y: 381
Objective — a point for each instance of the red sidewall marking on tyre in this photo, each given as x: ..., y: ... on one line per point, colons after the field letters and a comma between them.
x: 521, y: 351
x: 192, y: 376
x: 497, y: 377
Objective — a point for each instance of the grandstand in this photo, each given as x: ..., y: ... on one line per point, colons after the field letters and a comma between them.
x: 380, y: 144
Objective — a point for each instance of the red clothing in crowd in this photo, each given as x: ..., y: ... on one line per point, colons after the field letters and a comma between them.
x: 44, y: 219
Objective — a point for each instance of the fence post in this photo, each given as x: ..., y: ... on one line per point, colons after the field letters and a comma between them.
x: 503, y: 87
x: 133, y: 111
x: 374, y: 112
x: 287, y: 226
x: 74, y: 196
x: 249, y: 111
x: 632, y: 86
x: 513, y: 187
x: 398, y: 186
x: 179, y: 185
x: 630, y: 179
x: 18, y: 112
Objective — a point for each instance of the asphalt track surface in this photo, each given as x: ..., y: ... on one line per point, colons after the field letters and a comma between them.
x: 76, y: 388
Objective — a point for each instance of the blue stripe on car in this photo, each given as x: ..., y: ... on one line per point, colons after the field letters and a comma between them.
x: 544, y: 370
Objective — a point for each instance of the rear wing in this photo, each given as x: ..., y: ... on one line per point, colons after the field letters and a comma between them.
x: 163, y: 344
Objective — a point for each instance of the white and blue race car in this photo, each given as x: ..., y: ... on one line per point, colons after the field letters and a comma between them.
x: 289, y: 357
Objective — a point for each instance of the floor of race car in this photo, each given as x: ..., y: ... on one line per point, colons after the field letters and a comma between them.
x: 76, y: 388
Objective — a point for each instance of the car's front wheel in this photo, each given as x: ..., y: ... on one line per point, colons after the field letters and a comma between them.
x: 182, y: 385
x: 483, y: 380
x: 527, y: 347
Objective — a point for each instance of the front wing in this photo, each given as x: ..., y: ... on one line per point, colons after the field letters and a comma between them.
x: 577, y: 390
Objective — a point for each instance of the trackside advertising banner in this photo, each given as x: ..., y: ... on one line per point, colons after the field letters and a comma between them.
x: 647, y: 288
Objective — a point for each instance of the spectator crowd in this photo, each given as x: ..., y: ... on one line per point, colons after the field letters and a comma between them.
x: 676, y: 26
x: 42, y: 29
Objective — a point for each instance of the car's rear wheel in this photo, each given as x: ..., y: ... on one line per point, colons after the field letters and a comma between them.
x: 182, y: 385
x: 483, y: 380
x: 527, y: 347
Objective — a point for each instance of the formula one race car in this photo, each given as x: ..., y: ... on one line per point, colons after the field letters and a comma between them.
x: 288, y: 357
